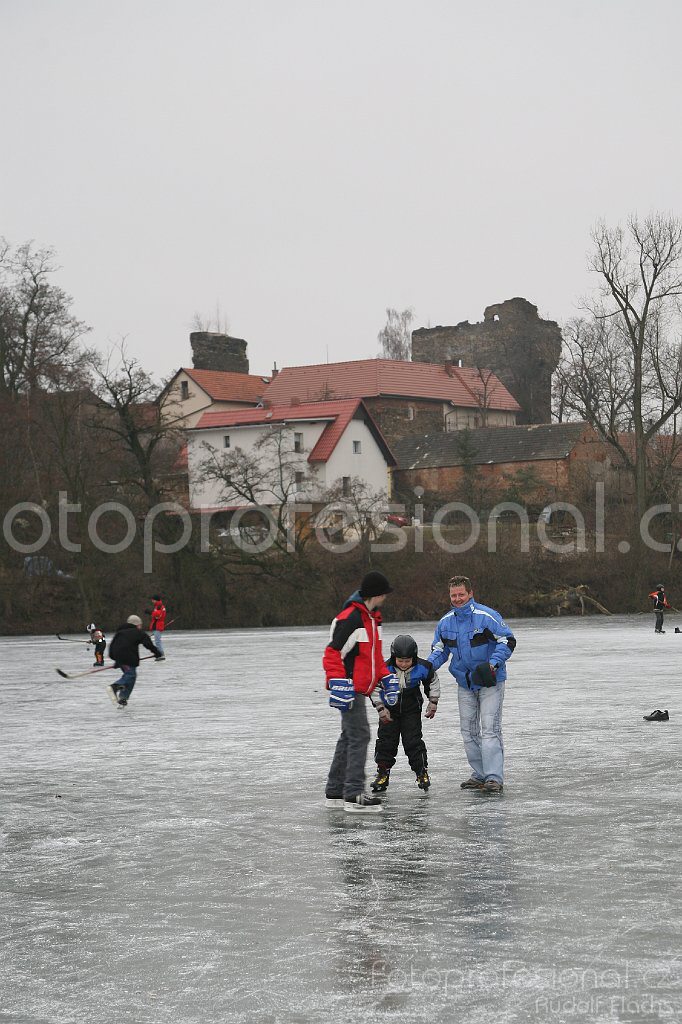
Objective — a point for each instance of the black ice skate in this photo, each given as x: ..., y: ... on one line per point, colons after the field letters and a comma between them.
x: 362, y: 804
x: 383, y: 777
x: 657, y: 716
x: 423, y: 780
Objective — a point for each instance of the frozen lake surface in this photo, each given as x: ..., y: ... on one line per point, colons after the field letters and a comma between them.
x: 175, y: 861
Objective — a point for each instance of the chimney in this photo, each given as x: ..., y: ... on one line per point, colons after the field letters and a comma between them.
x: 275, y: 371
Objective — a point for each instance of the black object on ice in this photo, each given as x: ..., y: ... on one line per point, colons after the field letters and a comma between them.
x: 677, y: 629
x: 657, y: 716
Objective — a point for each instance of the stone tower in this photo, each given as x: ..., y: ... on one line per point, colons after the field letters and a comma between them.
x: 512, y: 341
x: 218, y: 352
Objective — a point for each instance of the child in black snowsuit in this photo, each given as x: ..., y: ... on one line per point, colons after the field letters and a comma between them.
x: 403, y: 701
x: 99, y: 640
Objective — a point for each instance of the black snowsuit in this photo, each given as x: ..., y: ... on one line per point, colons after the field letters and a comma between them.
x: 405, y: 725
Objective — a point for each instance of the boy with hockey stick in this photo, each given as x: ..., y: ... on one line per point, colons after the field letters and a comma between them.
x: 157, y: 623
x: 660, y: 606
x: 401, y: 696
x: 124, y: 650
x: 99, y: 640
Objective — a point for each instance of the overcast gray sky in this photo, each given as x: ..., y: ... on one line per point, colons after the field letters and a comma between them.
x: 302, y: 164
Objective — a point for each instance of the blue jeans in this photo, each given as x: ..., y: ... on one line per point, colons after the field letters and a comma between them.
x: 157, y: 640
x: 480, y: 719
x: 347, y: 772
x: 127, y: 681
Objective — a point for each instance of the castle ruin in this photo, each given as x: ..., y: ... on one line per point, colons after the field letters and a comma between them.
x: 218, y: 352
x: 512, y: 341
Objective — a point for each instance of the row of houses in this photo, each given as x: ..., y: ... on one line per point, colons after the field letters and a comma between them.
x: 396, y: 427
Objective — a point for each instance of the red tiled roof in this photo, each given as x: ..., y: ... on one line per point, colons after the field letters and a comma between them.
x: 369, y: 378
x: 338, y: 414
x: 222, y: 386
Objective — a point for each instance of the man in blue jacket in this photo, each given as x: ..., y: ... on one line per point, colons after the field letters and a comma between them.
x: 477, y: 643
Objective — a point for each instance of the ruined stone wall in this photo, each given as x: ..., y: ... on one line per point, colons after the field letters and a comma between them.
x: 218, y: 352
x: 512, y: 341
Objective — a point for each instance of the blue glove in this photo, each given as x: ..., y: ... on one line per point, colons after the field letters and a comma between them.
x: 341, y: 693
x: 390, y: 690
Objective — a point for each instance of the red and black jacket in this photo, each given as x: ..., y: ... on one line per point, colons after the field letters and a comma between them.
x: 354, y: 648
x: 158, y: 621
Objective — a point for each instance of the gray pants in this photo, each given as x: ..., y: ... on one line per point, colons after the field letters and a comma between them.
x: 347, y: 772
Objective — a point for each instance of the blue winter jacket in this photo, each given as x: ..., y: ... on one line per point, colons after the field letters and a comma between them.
x: 469, y: 636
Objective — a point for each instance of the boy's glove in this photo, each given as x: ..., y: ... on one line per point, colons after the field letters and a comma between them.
x: 432, y: 708
x: 384, y: 715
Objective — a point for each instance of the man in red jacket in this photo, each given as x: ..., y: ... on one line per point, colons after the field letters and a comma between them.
x: 158, y: 623
x: 354, y: 653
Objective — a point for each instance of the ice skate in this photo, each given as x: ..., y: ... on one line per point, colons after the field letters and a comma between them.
x: 382, y: 779
x: 657, y: 716
x: 423, y: 780
x: 362, y: 804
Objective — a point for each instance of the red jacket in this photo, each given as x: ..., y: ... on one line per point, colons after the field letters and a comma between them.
x: 354, y: 648
x: 158, y: 620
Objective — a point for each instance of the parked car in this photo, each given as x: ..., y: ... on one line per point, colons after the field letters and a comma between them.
x: 396, y: 520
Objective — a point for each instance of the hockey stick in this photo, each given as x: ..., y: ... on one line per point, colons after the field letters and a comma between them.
x: 94, y: 671
x: 70, y: 640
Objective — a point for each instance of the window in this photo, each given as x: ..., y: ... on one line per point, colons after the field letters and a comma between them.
x: 410, y: 412
x: 357, y: 448
x: 299, y: 477
x: 184, y: 390
x: 345, y: 486
x: 298, y: 442
x: 226, y: 441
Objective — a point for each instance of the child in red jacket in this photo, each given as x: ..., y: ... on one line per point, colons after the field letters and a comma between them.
x: 157, y: 624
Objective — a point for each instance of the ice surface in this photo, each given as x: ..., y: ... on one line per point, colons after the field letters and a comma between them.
x: 174, y: 861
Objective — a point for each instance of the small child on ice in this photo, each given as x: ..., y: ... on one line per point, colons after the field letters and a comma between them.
x: 399, y: 705
x: 99, y: 640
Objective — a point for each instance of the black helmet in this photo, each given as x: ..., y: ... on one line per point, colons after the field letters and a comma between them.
x: 404, y: 646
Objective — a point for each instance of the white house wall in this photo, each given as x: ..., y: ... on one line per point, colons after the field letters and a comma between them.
x: 369, y: 464
x: 211, y: 493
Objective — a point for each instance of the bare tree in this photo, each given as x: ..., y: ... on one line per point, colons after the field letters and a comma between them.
x: 622, y: 370
x: 38, y: 333
x: 218, y: 322
x: 395, y: 337
x: 143, y: 443
x: 270, y: 476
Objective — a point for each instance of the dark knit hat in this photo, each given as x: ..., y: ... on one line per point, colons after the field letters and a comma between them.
x: 374, y: 584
